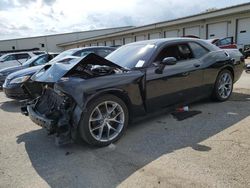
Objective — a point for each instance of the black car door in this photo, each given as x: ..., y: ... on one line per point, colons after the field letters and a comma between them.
x: 178, y: 83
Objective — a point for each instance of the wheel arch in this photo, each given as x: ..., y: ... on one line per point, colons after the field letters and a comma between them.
x: 214, y: 94
x: 229, y: 68
x: 116, y: 92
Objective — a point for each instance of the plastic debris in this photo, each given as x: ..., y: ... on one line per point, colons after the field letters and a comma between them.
x: 183, y: 109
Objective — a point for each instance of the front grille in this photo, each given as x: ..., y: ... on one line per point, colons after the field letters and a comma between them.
x: 49, y: 102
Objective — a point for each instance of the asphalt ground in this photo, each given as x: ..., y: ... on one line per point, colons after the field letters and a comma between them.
x: 211, y: 149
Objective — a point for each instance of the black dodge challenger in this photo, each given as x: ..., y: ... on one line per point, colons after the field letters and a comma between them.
x: 94, y: 98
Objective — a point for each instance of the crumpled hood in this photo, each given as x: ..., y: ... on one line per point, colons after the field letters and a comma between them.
x: 24, y: 72
x: 53, y: 72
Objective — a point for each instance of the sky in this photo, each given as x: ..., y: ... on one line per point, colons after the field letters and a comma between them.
x: 25, y: 18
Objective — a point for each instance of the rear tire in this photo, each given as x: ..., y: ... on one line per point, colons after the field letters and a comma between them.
x: 223, y: 86
x: 104, y: 121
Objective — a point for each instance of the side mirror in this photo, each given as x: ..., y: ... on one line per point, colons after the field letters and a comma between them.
x: 164, y: 62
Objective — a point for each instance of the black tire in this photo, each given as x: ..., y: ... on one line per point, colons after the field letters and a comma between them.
x: 84, y: 126
x: 216, y: 94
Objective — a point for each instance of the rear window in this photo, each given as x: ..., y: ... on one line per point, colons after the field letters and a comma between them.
x: 103, y: 52
x: 83, y: 53
x: 9, y: 58
x: 198, y: 50
x: 22, y: 56
x: 38, y: 53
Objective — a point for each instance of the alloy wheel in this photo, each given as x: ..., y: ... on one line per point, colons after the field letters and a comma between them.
x: 225, y: 85
x: 106, y: 121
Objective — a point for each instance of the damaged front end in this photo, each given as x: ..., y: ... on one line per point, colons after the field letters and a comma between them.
x: 55, y: 109
x: 52, y: 112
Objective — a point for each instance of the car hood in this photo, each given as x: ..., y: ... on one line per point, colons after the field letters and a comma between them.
x: 53, y: 72
x: 9, y: 70
x: 25, y: 72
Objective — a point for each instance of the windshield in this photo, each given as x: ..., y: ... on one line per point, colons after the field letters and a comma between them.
x: 31, y: 60
x: 63, y: 54
x: 7, y: 57
x: 131, y: 56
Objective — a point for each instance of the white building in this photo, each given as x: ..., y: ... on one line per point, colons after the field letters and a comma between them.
x: 227, y: 22
x: 49, y: 42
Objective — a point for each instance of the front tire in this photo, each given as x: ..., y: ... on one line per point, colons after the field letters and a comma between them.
x: 223, y: 86
x: 104, y: 121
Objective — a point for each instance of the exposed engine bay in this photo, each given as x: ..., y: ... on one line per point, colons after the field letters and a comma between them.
x: 91, y: 71
x: 88, y: 67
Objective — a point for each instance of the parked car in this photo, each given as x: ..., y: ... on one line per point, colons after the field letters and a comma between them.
x: 12, y: 85
x: 34, y: 61
x: 95, y: 98
x: 15, y: 59
x: 227, y: 43
x: 224, y: 43
x: 248, y: 68
x: 247, y: 51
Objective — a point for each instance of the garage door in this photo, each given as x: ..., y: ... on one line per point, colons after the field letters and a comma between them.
x: 154, y: 35
x: 192, y: 31
x: 217, y: 30
x: 128, y: 40
x: 118, y: 42
x: 109, y: 43
x: 140, y: 37
x: 172, y: 33
x: 243, y: 31
x: 93, y: 44
x: 100, y: 43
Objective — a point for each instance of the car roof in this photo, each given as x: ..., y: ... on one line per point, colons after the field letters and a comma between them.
x: 164, y: 41
x: 17, y: 53
x: 52, y: 53
x: 93, y: 47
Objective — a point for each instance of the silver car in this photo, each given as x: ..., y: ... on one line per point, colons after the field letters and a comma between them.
x: 15, y: 59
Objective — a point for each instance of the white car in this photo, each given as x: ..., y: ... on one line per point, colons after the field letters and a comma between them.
x: 15, y: 59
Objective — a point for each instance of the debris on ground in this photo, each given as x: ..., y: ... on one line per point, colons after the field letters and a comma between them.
x: 184, y: 113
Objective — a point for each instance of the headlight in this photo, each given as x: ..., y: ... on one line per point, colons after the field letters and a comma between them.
x: 19, y: 80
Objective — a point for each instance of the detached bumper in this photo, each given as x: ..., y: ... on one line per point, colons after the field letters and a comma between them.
x: 39, y: 119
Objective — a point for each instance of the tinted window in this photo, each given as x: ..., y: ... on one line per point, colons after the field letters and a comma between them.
x: 198, y: 50
x: 9, y: 58
x: 225, y: 41
x: 103, y: 52
x: 83, y: 53
x: 30, y: 61
x: 38, y: 53
x: 22, y: 56
x: 51, y: 56
x: 180, y: 52
x: 185, y: 52
x: 40, y: 61
x: 64, y: 54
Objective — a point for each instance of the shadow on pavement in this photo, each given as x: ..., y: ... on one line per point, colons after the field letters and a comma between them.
x: 11, y: 106
x: 145, y: 141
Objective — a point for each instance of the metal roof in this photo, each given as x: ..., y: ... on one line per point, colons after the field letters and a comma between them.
x: 204, y: 15
x: 58, y: 34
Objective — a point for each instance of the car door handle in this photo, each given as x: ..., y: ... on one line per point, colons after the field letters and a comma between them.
x: 197, y: 65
